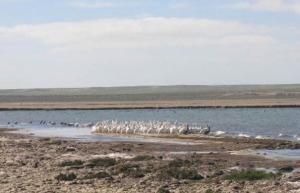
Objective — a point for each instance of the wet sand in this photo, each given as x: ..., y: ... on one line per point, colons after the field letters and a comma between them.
x: 33, y: 164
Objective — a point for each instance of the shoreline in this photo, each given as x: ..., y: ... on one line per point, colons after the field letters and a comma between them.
x: 189, y: 104
x: 190, y: 139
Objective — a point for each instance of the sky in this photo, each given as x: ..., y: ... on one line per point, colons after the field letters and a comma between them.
x: 102, y: 43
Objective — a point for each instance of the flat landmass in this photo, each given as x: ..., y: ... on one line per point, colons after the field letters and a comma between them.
x: 152, y: 97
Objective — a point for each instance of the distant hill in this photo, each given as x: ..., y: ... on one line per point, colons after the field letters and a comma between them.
x: 151, y: 93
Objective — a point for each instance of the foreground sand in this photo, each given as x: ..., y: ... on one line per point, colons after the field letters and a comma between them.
x: 31, y: 164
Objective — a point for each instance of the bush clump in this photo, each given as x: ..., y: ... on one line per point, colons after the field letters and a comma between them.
x: 102, y: 162
x: 143, y: 158
x: 131, y: 170
x: 179, y: 163
x: 250, y: 175
x: 209, y: 191
x: 99, y: 175
x: 163, y: 190
x: 66, y: 177
x: 71, y: 163
x: 180, y: 174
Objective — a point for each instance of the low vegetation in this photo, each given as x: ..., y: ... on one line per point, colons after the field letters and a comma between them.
x: 66, y: 177
x: 194, y: 161
x: 143, y: 158
x: 176, y: 169
x: 102, y: 162
x: 99, y: 175
x: 209, y: 191
x: 131, y: 170
x: 163, y: 190
x: 180, y: 174
x: 71, y: 163
x: 250, y: 175
x: 176, y: 163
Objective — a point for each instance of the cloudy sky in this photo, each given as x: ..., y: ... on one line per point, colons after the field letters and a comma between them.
x: 85, y: 43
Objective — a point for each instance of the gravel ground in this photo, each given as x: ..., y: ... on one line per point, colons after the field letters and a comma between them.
x: 32, y: 164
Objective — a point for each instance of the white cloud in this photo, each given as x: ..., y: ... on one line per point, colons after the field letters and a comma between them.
x: 139, y: 32
x: 270, y: 5
x: 101, y: 4
x: 112, y: 52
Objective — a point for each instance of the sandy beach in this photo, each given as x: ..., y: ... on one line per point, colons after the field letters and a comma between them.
x: 33, y: 164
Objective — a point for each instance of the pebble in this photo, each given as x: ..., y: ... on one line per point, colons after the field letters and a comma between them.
x: 10, y: 163
x: 3, y: 174
x: 294, y: 178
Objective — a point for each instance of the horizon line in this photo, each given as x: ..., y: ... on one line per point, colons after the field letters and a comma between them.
x: 139, y: 86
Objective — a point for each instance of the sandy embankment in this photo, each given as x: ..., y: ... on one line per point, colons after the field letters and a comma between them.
x: 31, y: 164
x: 230, y: 103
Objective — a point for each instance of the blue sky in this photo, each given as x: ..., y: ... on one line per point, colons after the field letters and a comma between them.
x: 81, y: 43
x: 13, y: 12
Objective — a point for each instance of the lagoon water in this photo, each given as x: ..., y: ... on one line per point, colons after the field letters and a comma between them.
x: 266, y: 122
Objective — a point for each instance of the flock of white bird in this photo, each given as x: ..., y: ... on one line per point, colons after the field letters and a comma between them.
x: 148, y: 128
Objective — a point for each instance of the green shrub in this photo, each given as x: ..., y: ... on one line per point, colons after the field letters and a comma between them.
x: 163, y: 190
x: 180, y: 174
x: 143, y: 158
x: 209, y: 191
x: 71, y: 163
x: 176, y: 163
x: 250, y: 175
x: 103, y: 162
x: 66, y: 177
x: 131, y: 170
x: 179, y: 163
x: 99, y: 175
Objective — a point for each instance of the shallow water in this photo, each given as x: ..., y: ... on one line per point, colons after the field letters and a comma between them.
x: 276, y: 154
x: 84, y: 134
x: 81, y: 134
x: 282, y: 154
x: 266, y: 122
